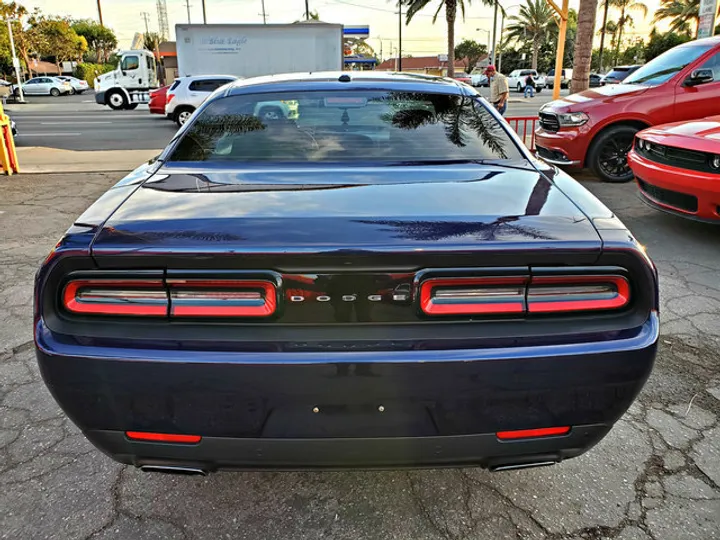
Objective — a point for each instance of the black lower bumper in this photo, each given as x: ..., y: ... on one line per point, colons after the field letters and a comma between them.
x: 218, y: 453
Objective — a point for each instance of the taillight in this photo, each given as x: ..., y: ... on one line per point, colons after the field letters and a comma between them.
x: 552, y: 294
x: 140, y: 297
x: 473, y: 295
x: 221, y: 298
x: 169, y: 98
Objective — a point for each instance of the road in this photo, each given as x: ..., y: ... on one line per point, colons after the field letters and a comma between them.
x: 78, y: 123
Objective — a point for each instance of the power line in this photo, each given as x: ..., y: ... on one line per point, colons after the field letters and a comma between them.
x: 375, y: 8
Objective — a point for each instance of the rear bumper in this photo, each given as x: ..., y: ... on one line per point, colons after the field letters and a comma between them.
x: 673, y: 181
x: 347, y: 409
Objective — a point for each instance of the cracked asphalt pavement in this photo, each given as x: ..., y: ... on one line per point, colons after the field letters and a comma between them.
x: 656, y: 475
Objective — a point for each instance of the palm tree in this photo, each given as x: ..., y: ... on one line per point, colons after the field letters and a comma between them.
x: 451, y: 7
x: 532, y: 23
x: 684, y: 14
x: 582, y: 54
x: 625, y: 19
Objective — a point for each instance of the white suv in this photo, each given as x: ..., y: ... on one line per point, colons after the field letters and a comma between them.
x: 516, y: 79
x: 187, y: 93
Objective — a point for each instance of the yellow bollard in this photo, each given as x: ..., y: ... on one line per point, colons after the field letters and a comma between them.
x: 8, y: 156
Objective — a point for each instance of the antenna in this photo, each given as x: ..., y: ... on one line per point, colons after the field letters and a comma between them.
x: 163, y: 25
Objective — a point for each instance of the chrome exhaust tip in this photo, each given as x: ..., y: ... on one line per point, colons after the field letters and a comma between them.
x: 515, y: 466
x: 174, y: 469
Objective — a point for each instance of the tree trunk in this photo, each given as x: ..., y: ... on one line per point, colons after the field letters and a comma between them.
x: 450, y: 10
x: 582, y: 56
x: 536, y: 51
x: 27, y: 62
x: 621, y: 25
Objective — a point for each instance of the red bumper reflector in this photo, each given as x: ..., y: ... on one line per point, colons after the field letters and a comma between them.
x: 532, y: 433
x: 162, y: 437
x: 473, y: 295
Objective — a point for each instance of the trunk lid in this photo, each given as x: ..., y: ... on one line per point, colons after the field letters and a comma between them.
x: 405, y: 217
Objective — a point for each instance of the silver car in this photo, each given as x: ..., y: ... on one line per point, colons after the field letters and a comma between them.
x: 48, y: 86
x: 78, y: 86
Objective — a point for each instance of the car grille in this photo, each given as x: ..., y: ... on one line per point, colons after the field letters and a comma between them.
x: 678, y: 157
x: 549, y: 121
x: 681, y: 201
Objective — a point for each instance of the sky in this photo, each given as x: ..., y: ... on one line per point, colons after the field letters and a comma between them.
x: 420, y: 38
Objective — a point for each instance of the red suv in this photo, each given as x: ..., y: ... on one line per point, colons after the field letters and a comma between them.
x: 596, y: 128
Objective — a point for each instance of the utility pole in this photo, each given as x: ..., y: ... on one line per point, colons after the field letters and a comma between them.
x: 204, y: 14
x: 307, y: 11
x: 399, y: 62
x: 146, y: 17
x: 563, y: 14
x: 602, y: 37
x: 494, y: 39
x: 187, y: 5
x: 263, y: 13
x: 99, y: 12
x: 16, y: 62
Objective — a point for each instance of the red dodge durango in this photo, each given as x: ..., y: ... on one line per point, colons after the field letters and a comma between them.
x: 596, y: 128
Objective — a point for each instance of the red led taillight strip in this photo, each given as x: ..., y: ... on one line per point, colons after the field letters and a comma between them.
x: 221, y: 298
x: 532, y: 433
x: 552, y: 294
x: 473, y: 295
x: 139, y: 297
x: 162, y: 437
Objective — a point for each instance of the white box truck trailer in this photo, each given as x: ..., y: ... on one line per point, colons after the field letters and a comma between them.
x: 243, y: 50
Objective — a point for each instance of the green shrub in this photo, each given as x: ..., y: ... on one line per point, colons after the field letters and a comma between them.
x: 88, y: 71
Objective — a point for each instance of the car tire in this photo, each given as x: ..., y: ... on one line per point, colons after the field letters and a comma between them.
x: 182, y: 114
x: 539, y: 89
x: 608, y: 154
x: 72, y: 92
x: 271, y: 113
x: 54, y: 92
x: 132, y: 106
x: 519, y: 88
x: 116, y: 100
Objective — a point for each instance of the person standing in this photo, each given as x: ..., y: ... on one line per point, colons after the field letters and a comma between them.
x: 499, y: 90
x: 529, y: 86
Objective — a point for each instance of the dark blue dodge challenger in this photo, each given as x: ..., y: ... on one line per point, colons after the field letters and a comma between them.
x: 345, y: 270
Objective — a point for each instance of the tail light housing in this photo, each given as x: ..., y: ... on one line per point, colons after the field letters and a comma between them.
x: 541, y: 293
x: 174, y: 298
x: 169, y: 97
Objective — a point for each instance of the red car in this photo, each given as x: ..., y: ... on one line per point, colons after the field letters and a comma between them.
x: 677, y: 167
x: 463, y: 78
x: 596, y: 128
x: 157, y: 100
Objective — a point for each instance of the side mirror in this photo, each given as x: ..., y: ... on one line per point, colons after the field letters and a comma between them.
x: 699, y: 76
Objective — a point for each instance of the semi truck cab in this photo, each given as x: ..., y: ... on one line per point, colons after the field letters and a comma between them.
x: 130, y: 83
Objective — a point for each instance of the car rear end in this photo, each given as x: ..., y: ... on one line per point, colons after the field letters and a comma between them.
x: 171, y: 97
x: 679, y: 174
x: 158, y: 100
x: 336, y: 315
x: 63, y: 85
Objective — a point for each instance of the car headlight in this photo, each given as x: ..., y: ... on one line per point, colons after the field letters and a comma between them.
x: 572, y: 119
x: 715, y: 162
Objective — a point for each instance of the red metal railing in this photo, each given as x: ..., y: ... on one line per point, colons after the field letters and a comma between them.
x: 524, y: 126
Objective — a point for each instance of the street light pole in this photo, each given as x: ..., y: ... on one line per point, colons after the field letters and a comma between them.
x: 399, y: 36
x: 99, y: 12
x: 307, y: 11
x: 204, y: 14
x: 494, y: 39
x: 16, y: 62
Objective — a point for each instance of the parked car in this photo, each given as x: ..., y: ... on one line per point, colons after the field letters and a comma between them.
x: 677, y: 167
x: 158, y: 100
x: 619, y: 73
x: 77, y: 86
x: 516, y: 79
x: 595, y: 80
x: 596, y: 128
x: 565, y: 78
x: 260, y: 297
x: 51, y: 86
x: 463, y: 77
x: 479, y: 79
x: 187, y: 93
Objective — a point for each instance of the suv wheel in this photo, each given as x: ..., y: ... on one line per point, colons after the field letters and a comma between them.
x: 54, y: 92
x: 608, y: 154
x: 182, y: 115
x: 519, y: 87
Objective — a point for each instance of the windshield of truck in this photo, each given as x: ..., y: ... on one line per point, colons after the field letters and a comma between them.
x: 667, y: 65
x: 346, y: 126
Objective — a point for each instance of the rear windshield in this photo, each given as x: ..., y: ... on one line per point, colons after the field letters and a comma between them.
x: 670, y: 63
x: 175, y: 84
x: 347, y: 126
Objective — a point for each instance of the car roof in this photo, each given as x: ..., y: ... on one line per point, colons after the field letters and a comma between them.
x: 342, y: 80
x: 190, y: 78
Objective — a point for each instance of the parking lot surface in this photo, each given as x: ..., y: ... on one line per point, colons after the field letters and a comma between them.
x: 656, y: 476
